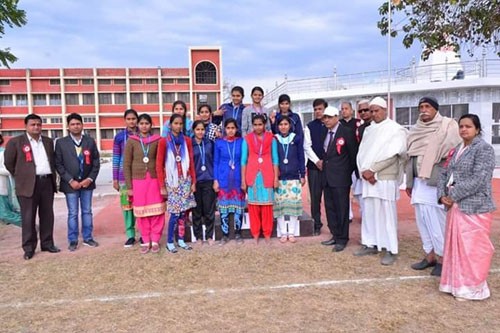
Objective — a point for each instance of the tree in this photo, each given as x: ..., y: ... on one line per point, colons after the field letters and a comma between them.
x: 11, y: 16
x: 451, y: 23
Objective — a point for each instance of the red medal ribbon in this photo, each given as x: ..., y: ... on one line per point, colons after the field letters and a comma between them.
x: 448, y: 158
x: 340, y: 142
x: 27, y: 153
x: 86, y: 153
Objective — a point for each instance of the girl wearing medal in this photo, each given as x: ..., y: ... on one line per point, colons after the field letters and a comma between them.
x: 177, y: 177
x: 288, y: 195
x: 254, y: 109
x: 234, y: 109
x: 139, y: 169
x: 204, y: 212
x: 179, y: 107
x: 259, y: 167
x: 227, y: 180
x: 284, y: 110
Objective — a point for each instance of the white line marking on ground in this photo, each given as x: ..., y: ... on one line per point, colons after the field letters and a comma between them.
x: 120, y: 298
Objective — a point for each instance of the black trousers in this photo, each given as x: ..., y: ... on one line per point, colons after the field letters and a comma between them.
x: 43, y: 202
x: 316, y: 182
x: 204, y: 212
x: 337, y: 212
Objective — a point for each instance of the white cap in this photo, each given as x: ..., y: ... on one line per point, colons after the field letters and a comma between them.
x: 379, y: 101
x: 331, y: 111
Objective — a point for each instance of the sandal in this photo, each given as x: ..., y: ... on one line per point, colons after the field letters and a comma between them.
x: 292, y: 239
x: 283, y: 239
x: 186, y: 247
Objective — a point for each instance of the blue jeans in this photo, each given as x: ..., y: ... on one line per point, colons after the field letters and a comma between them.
x: 81, y: 198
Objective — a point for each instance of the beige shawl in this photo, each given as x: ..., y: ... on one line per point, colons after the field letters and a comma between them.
x: 430, y: 142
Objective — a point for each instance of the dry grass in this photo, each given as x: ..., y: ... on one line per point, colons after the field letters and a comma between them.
x: 231, y: 272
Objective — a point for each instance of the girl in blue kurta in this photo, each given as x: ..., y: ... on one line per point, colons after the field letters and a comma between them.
x: 288, y: 196
x: 179, y: 107
x: 227, y: 180
x: 259, y: 167
x: 204, y: 212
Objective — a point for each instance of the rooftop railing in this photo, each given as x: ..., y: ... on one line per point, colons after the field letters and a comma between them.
x: 461, y: 70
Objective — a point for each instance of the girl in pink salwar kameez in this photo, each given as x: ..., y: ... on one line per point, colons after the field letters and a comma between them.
x: 139, y: 169
x: 465, y: 189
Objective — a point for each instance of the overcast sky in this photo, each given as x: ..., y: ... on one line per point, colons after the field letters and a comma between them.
x: 261, y: 40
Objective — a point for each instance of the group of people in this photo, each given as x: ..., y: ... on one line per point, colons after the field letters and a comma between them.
x: 247, y: 156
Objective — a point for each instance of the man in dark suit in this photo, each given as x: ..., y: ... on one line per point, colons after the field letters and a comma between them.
x: 30, y: 159
x: 78, y: 163
x: 339, y: 162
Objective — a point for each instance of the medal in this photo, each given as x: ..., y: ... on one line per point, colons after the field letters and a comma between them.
x: 145, y: 159
x: 145, y: 149
x: 178, y: 158
x: 203, y: 168
x: 260, y: 160
x: 232, y: 167
x: 285, y: 161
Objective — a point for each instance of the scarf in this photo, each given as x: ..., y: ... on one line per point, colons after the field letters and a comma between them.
x: 171, y: 164
x: 382, y: 141
x: 431, y: 141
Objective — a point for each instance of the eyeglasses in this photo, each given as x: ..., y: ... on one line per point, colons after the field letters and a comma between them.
x: 363, y: 110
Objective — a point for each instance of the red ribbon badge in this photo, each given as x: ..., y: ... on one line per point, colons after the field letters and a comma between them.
x: 358, y: 124
x: 27, y: 153
x: 340, y: 142
x: 448, y: 158
x: 86, y: 153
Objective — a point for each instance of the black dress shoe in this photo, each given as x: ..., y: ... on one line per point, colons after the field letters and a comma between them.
x: 329, y: 242
x: 338, y: 248
x: 28, y: 255
x: 51, y: 249
x: 316, y: 232
x: 423, y: 264
x: 436, y: 271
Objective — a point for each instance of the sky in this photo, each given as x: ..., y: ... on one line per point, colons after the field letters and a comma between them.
x: 261, y: 41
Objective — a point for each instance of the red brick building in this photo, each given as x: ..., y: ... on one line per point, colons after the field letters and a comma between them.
x: 101, y: 95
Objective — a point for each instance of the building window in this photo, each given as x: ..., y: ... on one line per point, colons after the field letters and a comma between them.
x: 88, y: 99
x: 135, y: 81
x: 167, y: 81
x: 88, y: 119
x: 107, y: 134
x: 56, y: 120
x: 55, y: 82
x: 6, y: 100
x: 105, y: 98
x: 183, y: 97
x: 454, y: 111
x: 168, y: 97
x: 120, y: 82
x: 56, y: 134
x: 71, y: 82
x: 21, y: 100
x: 495, y: 128
x: 182, y: 81
x: 12, y: 133
x: 54, y: 99
x: 4, y: 82
x: 72, y: 99
x: 104, y: 82
x: 151, y: 81
x: 205, y: 73
x: 44, y: 120
x: 152, y: 98
x: 136, y: 98
x: 208, y: 98
x: 87, y: 82
x: 39, y: 99
x: 91, y: 133
x: 120, y: 99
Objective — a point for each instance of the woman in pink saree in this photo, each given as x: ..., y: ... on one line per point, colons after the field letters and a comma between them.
x: 465, y: 189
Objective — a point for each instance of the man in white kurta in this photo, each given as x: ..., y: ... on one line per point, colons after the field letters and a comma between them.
x: 380, y: 160
x: 429, y: 143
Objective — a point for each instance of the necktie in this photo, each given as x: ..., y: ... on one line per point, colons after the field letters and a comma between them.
x: 328, y: 140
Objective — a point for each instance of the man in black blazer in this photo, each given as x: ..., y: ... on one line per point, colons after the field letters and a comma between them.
x: 30, y: 158
x: 339, y: 162
x: 78, y: 163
